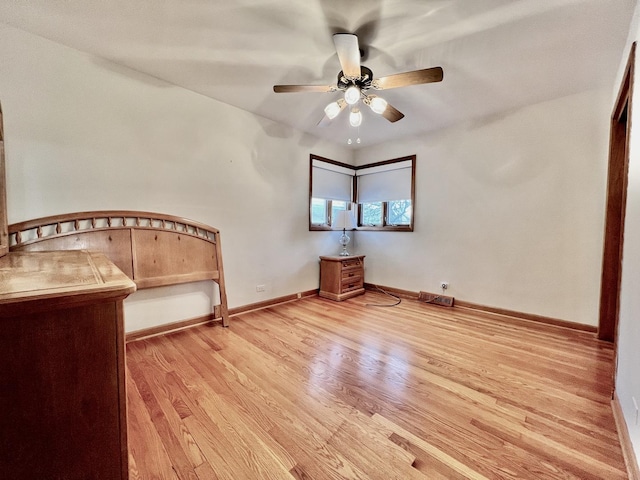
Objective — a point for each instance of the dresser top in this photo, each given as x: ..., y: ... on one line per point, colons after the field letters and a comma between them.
x: 340, y: 258
x: 56, y: 279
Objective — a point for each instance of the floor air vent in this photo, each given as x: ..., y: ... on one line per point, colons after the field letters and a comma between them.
x: 435, y: 299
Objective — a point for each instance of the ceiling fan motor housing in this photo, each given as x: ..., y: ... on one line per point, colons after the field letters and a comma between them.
x: 363, y: 82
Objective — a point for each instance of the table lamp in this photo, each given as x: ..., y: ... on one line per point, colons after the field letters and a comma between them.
x: 344, y: 220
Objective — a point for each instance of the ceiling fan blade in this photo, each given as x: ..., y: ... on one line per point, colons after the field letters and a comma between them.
x: 391, y: 114
x: 324, y: 121
x: 348, y: 53
x: 303, y: 88
x: 415, y: 77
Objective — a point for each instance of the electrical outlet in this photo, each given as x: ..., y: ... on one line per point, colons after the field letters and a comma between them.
x: 444, y: 285
x: 260, y: 288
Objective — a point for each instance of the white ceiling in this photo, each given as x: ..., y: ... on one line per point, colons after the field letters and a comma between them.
x: 497, y: 55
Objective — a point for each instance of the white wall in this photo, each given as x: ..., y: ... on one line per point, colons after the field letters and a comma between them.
x: 509, y: 210
x: 628, y: 376
x: 85, y: 134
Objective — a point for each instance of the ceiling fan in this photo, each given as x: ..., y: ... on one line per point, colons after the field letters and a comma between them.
x: 357, y: 82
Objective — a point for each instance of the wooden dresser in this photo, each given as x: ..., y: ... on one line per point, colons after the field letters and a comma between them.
x: 341, y: 277
x: 62, y: 380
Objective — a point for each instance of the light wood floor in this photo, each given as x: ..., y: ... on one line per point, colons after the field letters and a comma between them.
x: 315, y: 389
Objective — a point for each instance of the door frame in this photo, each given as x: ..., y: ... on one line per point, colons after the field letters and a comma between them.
x: 617, y: 182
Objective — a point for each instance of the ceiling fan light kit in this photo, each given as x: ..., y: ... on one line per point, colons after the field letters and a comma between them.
x: 352, y: 95
x: 332, y: 110
x: 355, y: 117
x: 356, y: 80
x: 378, y: 104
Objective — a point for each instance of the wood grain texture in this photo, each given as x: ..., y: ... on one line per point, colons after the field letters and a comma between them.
x: 625, y: 440
x: 303, y: 88
x: 316, y: 389
x: 115, y: 244
x: 153, y: 249
x: 4, y: 233
x: 341, y: 277
x: 62, y: 384
x: 415, y: 77
x: 42, y: 281
x: 617, y: 180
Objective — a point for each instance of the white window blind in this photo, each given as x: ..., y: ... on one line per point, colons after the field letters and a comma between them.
x: 385, y: 182
x: 331, y: 182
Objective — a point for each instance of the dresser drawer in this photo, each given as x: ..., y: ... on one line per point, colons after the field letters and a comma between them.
x: 349, y: 263
x: 350, y: 285
x: 352, y: 273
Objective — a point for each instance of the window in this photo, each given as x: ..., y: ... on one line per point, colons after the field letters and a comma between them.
x: 381, y: 194
x: 318, y: 211
x: 331, y: 190
x: 385, y: 195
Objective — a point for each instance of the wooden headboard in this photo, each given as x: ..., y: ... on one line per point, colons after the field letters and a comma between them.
x: 152, y: 249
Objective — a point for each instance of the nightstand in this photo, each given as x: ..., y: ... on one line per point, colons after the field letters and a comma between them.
x: 341, y: 277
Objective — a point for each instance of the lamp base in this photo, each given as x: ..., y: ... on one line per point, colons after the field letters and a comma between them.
x: 344, y: 241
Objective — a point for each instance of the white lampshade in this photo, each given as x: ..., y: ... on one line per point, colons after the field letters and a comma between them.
x: 332, y: 110
x: 352, y: 95
x: 378, y: 105
x: 355, y: 117
x: 344, y: 219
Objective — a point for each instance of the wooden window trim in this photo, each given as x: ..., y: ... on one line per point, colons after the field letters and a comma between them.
x: 354, y: 196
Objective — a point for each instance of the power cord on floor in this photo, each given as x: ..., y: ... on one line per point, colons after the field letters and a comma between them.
x: 384, y: 304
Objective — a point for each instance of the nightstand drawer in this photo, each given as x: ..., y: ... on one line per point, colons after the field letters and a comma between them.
x: 352, y: 263
x: 353, y: 273
x: 348, y: 286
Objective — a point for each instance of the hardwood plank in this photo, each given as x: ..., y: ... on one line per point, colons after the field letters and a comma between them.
x: 206, y: 472
x: 179, y: 461
x: 177, y: 439
x: 315, y: 389
x: 427, y: 463
x: 148, y: 457
x: 376, y: 455
x: 436, y: 453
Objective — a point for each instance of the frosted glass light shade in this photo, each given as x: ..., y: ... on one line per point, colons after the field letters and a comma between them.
x: 378, y: 105
x: 352, y: 95
x: 355, y: 117
x: 332, y: 110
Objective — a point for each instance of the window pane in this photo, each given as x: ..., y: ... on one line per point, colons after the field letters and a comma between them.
x: 318, y: 211
x: 372, y: 213
x: 399, y: 212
